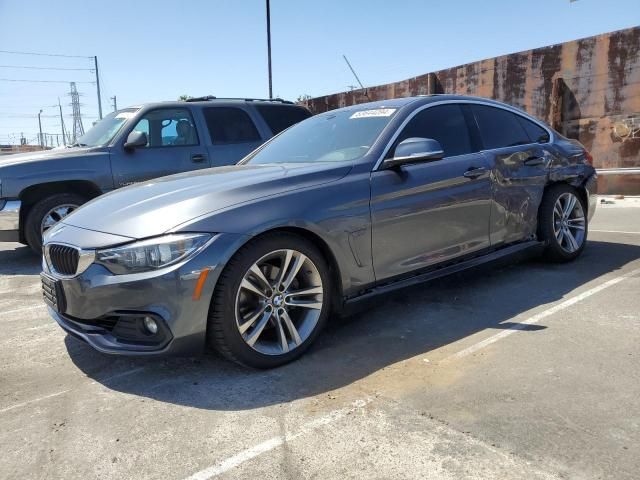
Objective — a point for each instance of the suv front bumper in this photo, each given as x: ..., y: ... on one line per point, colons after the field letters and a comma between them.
x: 10, y: 220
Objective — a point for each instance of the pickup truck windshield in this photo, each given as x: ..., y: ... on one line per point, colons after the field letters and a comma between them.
x: 104, y: 131
x: 330, y: 137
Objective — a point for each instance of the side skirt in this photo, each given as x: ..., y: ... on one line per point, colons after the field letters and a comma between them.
x: 438, y: 272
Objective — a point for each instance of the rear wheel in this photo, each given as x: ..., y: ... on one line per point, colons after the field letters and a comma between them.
x: 563, y: 223
x: 271, y: 302
x: 46, y: 213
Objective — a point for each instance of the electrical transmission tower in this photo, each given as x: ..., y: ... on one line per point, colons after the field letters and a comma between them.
x: 78, y: 128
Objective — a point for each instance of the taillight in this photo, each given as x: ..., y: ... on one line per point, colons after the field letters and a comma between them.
x: 588, y: 158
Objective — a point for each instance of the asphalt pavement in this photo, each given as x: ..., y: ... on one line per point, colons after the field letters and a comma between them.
x: 521, y: 371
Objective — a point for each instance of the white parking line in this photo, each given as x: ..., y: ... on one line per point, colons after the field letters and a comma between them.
x: 539, y: 316
x: 275, y: 442
x: 62, y: 392
x: 23, y: 309
x: 613, y: 231
x: 29, y: 402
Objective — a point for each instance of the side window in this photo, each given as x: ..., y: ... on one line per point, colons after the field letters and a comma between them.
x: 230, y: 125
x: 499, y: 128
x: 536, y: 133
x: 168, y: 127
x: 143, y: 126
x: 281, y: 117
x: 444, y: 123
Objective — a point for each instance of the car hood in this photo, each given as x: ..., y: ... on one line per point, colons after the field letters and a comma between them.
x: 155, y: 207
x: 21, y: 158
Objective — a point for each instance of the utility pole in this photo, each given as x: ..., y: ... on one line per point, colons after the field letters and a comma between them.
x: 269, y: 47
x: 95, y: 61
x: 40, y: 127
x: 115, y: 103
x: 355, y: 75
x: 64, y: 141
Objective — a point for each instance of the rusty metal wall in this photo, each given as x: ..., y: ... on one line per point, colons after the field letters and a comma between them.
x: 587, y: 89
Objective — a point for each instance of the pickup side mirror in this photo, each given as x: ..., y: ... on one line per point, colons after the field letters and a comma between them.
x: 414, y: 150
x: 136, y: 139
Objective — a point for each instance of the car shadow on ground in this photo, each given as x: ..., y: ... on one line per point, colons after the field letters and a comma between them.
x: 17, y: 259
x: 411, y: 322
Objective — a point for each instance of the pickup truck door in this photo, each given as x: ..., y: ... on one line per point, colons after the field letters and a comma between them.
x: 174, y: 145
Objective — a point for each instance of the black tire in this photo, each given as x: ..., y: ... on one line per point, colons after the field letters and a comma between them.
x: 222, y: 330
x: 554, y: 251
x: 33, y: 223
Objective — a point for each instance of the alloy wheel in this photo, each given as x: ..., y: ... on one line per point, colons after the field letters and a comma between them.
x: 56, y: 214
x: 279, y: 302
x: 569, y: 222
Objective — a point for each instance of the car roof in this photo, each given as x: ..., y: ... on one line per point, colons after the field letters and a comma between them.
x: 219, y: 102
x: 420, y: 99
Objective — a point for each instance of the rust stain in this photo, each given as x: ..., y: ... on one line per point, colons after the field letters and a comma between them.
x: 588, y: 88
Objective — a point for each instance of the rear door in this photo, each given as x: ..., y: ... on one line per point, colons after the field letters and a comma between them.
x: 173, y: 146
x: 232, y: 132
x: 431, y: 212
x: 517, y: 149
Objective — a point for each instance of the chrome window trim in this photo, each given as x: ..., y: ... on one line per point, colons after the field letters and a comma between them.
x: 86, y: 258
x: 461, y: 102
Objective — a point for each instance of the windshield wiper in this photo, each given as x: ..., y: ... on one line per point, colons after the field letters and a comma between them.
x: 77, y: 144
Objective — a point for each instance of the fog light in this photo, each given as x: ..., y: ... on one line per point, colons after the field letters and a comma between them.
x: 151, y: 325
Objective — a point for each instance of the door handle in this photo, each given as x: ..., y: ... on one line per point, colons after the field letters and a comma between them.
x: 198, y: 158
x: 474, y: 172
x: 534, y: 160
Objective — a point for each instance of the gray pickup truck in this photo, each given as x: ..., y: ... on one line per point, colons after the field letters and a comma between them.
x: 129, y: 146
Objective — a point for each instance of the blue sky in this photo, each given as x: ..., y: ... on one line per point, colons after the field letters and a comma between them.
x: 157, y: 50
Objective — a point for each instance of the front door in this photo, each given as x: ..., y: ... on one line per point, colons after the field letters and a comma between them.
x: 426, y: 213
x: 174, y: 145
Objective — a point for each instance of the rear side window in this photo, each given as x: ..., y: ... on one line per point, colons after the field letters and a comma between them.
x: 499, y: 128
x: 230, y: 125
x: 444, y: 123
x: 281, y: 117
x: 535, y: 132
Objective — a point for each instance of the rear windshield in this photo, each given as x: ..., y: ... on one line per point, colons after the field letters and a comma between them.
x: 281, y: 117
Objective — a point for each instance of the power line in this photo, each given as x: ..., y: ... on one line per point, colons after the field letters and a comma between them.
x: 43, y: 54
x: 39, y: 81
x: 47, y: 68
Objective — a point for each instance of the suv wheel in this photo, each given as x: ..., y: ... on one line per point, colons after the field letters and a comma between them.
x: 46, y: 213
x: 271, y: 302
x: 563, y: 223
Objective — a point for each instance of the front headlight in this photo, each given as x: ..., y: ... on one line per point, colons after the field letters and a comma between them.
x: 152, y: 253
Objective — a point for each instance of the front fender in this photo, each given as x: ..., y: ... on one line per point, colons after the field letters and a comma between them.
x: 337, y: 213
x: 91, y: 166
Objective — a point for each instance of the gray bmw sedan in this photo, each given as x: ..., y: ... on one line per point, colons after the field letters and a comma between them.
x: 252, y: 259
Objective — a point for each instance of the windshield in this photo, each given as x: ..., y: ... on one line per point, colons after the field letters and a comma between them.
x: 330, y: 137
x: 103, y: 132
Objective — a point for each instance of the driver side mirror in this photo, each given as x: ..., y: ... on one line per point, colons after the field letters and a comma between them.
x: 414, y: 150
x: 136, y: 139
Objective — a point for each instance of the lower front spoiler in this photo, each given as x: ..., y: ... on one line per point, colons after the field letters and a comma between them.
x: 103, y: 341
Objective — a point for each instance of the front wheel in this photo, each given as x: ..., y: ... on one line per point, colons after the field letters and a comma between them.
x: 271, y: 302
x: 563, y: 223
x: 46, y: 213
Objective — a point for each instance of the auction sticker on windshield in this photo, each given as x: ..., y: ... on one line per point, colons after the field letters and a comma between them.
x: 378, y: 112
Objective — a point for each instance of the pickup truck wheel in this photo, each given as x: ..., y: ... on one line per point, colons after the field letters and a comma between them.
x: 46, y: 213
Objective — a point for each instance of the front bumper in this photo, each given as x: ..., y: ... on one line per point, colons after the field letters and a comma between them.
x: 10, y: 220
x: 106, y: 310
